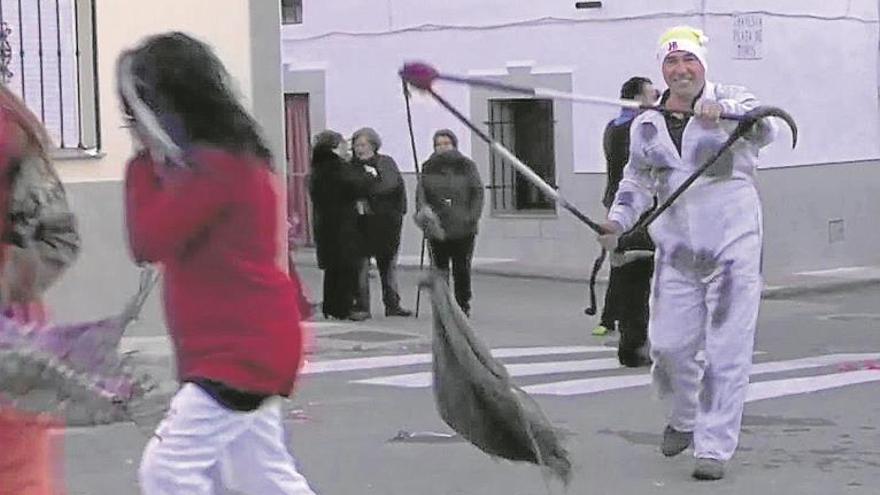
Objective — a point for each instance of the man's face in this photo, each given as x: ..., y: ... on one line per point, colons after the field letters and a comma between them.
x: 649, y: 95
x: 684, y: 74
x: 363, y: 149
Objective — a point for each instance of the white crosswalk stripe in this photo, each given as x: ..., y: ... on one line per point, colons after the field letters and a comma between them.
x: 423, y: 379
x: 355, y: 364
x: 832, y: 375
x: 794, y: 386
x: 602, y: 384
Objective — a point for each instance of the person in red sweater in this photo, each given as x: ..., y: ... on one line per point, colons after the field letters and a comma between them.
x: 210, y: 218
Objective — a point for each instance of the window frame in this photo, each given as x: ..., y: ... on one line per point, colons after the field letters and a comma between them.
x: 297, y: 6
x: 504, y: 181
x: 86, y: 141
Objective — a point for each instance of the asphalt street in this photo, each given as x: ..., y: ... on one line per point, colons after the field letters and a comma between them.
x: 811, y: 426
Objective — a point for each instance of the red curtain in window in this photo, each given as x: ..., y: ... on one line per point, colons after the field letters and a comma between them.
x: 298, y: 150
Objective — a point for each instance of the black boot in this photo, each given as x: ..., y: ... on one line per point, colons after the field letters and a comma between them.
x: 398, y: 311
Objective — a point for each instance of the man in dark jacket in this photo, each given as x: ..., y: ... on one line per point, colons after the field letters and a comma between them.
x: 629, y: 285
x: 450, y: 185
x: 381, y: 220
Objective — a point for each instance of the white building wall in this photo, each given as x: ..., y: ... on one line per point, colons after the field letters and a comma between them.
x: 819, y: 62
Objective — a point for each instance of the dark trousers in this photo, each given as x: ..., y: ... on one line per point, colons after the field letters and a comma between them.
x: 388, y: 273
x: 626, y: 302
x: 460, y: 252
x: 305, y: 306
x: 340, y: 285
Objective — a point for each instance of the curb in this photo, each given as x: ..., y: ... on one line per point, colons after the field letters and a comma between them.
x: 785, y: 292
x: 157, y: 362
x: 484, y: 270
x: 769, y: 292
x: 558, y: 277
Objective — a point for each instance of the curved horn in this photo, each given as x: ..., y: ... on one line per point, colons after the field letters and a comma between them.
x: 762, y: 112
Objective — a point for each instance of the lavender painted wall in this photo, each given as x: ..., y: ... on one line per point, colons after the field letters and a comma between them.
x: 801, y: 68
x: 819, y: 61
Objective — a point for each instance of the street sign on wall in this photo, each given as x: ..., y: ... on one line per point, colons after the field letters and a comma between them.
x: 748, y: 36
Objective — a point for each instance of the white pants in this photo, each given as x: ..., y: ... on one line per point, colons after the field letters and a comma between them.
x: 199, y: 436
x: 711, y: 306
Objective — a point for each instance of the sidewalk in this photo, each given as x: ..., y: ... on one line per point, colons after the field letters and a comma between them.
x: 775, y: 287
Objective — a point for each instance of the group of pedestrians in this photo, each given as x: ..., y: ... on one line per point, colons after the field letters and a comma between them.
x: 359, y: 202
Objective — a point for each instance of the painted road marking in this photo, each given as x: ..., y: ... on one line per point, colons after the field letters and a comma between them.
x: 602, y: 384
x: 368, y: 363
x: 794, y: 386
x: 423, y: 379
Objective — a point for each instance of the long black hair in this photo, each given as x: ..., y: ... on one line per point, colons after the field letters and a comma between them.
x: 186, y: 85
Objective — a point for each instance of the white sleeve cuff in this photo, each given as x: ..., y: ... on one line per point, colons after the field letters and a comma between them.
x: 622, y: 215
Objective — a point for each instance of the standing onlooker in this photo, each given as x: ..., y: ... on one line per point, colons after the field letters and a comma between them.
x: 629, y: 285
x: 335, y: 186
x: 382, y: 221
x: 450, y: 185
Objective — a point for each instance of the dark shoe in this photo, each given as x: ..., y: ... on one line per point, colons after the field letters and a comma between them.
x: 708, y: 469
x: 675, y: 442
x: 358, y: 316
x: 634, y: 358
x: 398, y: 311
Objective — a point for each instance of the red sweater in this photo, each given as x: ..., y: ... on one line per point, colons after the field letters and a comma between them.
x: 231, y: 311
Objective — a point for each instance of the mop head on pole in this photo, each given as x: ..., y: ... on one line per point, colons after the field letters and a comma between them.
x: 429, y: 222
x: 76, y: 370
x: 475, y: 397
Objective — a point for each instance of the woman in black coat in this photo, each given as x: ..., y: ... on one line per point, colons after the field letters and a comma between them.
x: 335, y: 186
x: 382, y: 220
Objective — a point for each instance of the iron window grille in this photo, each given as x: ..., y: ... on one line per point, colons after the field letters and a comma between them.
x: 526, y: 128
x: 49, y: 59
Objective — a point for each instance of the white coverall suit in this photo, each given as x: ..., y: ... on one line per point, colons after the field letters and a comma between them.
x: 707, y: 280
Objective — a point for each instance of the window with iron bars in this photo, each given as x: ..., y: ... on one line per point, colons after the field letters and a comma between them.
x: 51, y: 64
x: 525, y: 127
x: 291, y: 11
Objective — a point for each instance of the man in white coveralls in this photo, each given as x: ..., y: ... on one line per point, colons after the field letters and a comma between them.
x: 707, y: 281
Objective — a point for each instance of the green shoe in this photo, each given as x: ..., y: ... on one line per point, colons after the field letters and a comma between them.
x: 601, y: 330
